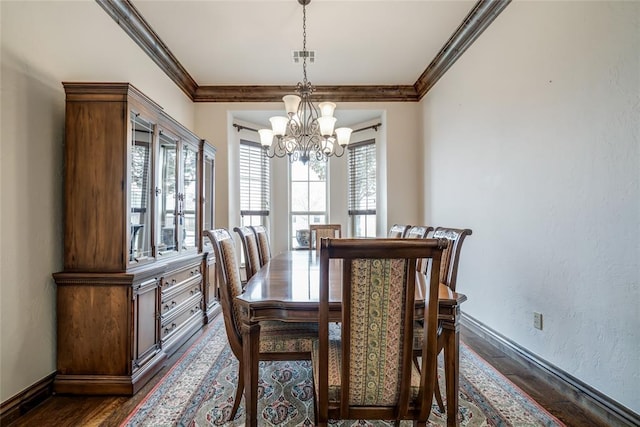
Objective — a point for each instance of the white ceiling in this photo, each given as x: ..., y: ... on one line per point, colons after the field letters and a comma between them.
x: 357, y: 42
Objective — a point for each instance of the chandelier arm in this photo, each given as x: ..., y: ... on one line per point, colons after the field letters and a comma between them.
x: 338, y: 150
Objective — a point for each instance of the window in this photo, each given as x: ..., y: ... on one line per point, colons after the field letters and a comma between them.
x: 308, y: 199
x: 254, y: 184
x: 362, y: 188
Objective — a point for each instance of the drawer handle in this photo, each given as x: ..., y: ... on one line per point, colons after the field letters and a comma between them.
x: 171, y: 328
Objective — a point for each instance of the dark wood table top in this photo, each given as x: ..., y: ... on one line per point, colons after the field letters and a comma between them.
x: 290, y: 281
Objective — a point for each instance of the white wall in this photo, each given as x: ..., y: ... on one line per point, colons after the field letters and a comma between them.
x: 532, y: 141
x: 43, y: 44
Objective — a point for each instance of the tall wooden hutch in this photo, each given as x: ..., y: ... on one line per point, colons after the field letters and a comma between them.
x: 138, y: 278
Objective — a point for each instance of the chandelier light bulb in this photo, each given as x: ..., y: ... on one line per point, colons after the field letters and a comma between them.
x: 279, y: 125
x: 343, y: 135
x: 326, y: 125
x: 291, y: 103
x: 326, y: 109
x: 266, y: 137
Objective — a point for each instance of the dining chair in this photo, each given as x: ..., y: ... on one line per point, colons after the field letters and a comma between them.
x: 278, y: 340
x: 250, y: 249
x: 318, y: 231
x: 398, y: 231
x: 451, y: 256
x: 263, y: 243
x: 368, y: 373
x: 449, y: 277
x: 418, y: 232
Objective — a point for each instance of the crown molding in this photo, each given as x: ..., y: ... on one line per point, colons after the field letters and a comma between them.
x: 132, y: 22
x: 321, y: 93
x: 478, y: 19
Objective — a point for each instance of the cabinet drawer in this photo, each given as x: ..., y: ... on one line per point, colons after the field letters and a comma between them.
x: 172, y: 323
x: 178, y: 294
x: 179, y: 276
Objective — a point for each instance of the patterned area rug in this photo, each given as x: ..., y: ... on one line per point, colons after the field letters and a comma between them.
x: 199, y: 389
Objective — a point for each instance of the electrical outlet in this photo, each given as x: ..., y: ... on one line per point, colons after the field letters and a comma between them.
x: 537, y: 320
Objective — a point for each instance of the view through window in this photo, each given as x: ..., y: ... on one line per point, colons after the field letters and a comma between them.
x: 362, y: 188
x: 308, y: 199
x: 254, y: 184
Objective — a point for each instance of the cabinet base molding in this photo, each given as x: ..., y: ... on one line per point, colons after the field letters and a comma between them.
x: 23, y: 402
x: 583, y: 395
x: 109, y: 384
x: 212, y: 312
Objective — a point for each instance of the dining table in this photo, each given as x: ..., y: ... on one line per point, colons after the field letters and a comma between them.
x: 286, y: 288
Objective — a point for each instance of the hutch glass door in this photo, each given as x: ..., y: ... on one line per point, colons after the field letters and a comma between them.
x: 188, y: 198
x: 140, y: 186
x: 167, y: 195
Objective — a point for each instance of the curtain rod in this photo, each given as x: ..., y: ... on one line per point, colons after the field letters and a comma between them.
x: 374, y: 127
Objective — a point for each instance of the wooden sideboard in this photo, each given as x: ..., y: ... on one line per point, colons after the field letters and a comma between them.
x: 138, y: 277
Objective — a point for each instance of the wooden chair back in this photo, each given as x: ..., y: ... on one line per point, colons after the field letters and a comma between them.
x: 369, y: 373
x: 230, y: 286
x: 398, y: 231
x: 318, y: 231
x: 251, y: 251
x: 451, y: 255
x: 418, y: 232
x: 263, y: 243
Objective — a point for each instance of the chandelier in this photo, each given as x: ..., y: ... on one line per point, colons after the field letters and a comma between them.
x: 307, y: 131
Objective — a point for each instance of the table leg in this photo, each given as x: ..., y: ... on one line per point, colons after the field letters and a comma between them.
x: 250, y: 350
x: 451, y: 333
x: 452, y: 376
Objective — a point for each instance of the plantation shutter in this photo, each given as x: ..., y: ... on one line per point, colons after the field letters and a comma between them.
x: 254, y: 180
x: 362, y: 178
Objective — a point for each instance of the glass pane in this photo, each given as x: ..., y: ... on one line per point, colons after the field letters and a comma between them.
x: 140, y: 189
x: 187, y: 219
x: 299, y: 171
x: 371, y: 225
x: 359, y: 226
x: 299, y: 231
x: 168, y: 155
x: 317, y: 196
x: 299, y: 197
x: 317, y: 170
x: 317, y: 219
x: 208, y: 193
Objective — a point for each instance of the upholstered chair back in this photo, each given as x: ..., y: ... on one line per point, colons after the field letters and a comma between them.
x: 368, y: 373
x: 318, y: 231
x: 251, y: 251
x: 230, y: 284
x: 263, y: 243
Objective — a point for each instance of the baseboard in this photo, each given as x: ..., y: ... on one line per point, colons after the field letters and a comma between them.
x: 583, y: 395
x: 26, y: 400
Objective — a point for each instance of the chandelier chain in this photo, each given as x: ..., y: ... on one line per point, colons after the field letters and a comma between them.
x: 304, y: 42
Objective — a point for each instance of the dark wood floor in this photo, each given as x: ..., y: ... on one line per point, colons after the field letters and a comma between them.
x: 65, y: 411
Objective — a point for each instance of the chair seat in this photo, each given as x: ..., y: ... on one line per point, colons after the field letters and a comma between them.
x: 335, y: 361
x: 287, y: 337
